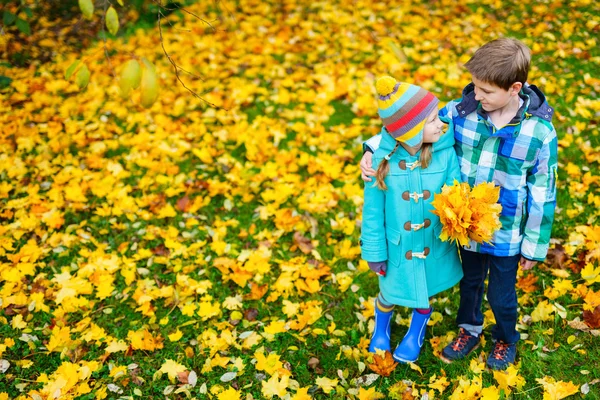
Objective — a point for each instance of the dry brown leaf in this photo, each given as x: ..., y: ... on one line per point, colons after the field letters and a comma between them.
x: 303, y: 243
x: 592, y: 318
x: 184, y: 203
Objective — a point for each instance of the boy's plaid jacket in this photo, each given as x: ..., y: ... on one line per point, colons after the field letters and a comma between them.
x: 521, y: 158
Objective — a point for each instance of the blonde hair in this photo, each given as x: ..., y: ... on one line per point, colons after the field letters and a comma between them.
x: 501, y: 62
x: 383, y: 169
x: 384, y: 166
x: 426, y: 154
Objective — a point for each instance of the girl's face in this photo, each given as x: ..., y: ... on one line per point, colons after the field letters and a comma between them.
x: 433, y: 128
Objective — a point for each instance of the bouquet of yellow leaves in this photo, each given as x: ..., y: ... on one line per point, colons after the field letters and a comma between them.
x: 468, y: 213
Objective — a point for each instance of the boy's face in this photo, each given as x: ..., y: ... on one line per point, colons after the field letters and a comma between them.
x: 493, y: 97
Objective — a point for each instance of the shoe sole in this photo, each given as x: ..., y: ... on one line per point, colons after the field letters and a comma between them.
x: 401, y: 360
x: 449, y: 361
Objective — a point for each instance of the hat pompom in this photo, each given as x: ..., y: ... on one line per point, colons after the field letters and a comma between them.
x: 385, y: 85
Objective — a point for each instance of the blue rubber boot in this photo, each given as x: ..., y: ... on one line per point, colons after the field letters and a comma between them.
x: 410, y: 347
x: 381, y: 333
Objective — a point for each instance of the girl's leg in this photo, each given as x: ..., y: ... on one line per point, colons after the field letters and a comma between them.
x: 410, y: 347
x: 383, y: 320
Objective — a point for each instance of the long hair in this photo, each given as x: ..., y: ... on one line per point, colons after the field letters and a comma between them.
x: 426, y: 154
x: 383, y: 169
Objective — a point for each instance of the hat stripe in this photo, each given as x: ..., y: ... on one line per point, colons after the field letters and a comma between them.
x: 405, y: 120
x: 405, y: 95
x: 407, y: 106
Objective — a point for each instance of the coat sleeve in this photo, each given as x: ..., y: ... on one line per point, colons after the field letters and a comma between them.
x: 373, y: 143
x: 373, y: 243
x: 541, y: 200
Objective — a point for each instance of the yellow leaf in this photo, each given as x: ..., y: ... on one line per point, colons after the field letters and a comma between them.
x: 490, y: 393
x: 269, y: 364
x: 370, y: 394
x: 554, y: 390
x: 172, y: 368
x: 509, y: 378
x: 275, y: 386
x: 229, y: 394
x: 543, y: 312
x: 590, y: 274
x: 112, y: 20
x: 175, y: 336
x: 326, y: 384
x: 302, y: 394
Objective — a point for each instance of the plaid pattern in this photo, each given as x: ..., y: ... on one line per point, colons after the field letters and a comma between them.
x: 521, y: 158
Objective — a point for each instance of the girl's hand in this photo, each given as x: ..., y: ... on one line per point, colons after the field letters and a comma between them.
x: 378, y: 267
x: 366, y: 166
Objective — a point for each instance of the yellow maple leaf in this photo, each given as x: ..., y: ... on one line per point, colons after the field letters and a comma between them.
x: 556, y: 390
x: 269, y: 364
x: 326, y: 384
x: 229, y: 394
x: 509, y: 378
x: 275, y: 386
x: 59, y: 339
x: 542, y: 312
x: 369, y: 394
x: 440, y: 384
x: 302, y: 394
x: 590, y: 274
x: 490, y: 393
x: 172, y: 368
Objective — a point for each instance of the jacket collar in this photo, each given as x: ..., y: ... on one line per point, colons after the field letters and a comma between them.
x: 535, y: 102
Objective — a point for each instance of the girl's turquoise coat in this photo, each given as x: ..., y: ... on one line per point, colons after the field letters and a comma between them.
x: 384, y: 236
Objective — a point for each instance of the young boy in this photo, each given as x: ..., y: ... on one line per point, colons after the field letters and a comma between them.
x: 503, y: 132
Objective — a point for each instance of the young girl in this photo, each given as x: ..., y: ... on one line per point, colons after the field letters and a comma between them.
x: 400, y: 236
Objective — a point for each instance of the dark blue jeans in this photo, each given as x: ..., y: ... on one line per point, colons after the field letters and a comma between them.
x: 501, y: 293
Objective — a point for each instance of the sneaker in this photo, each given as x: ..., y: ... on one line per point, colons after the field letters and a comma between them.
x: 460, y: 347
x: 502, y: 355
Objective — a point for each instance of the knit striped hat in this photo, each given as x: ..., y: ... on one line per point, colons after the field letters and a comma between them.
x: 404, y: 109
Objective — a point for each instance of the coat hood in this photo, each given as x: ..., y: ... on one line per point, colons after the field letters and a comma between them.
x: 535, y: 102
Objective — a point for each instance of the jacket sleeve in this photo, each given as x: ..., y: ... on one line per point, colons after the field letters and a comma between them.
x: 373, y: 143
x: 541, y: 200
x: 373, y: 243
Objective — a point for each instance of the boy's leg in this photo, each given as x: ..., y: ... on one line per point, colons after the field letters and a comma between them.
x: 469, y: 317
x: 502, y: 297
x: 475, y: 268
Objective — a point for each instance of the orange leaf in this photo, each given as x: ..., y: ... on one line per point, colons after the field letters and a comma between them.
x: 383, y: 365
x: 256, y: 292
x: 527, y: 283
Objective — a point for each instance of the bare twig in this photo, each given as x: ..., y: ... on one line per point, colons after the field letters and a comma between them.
x: 185, y: 10
x: 176, y: 68
x: 112, y: 70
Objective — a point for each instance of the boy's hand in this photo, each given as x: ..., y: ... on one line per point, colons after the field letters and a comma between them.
x: 366, y: 166
x: 378, y: 267
x: 527, y: 264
